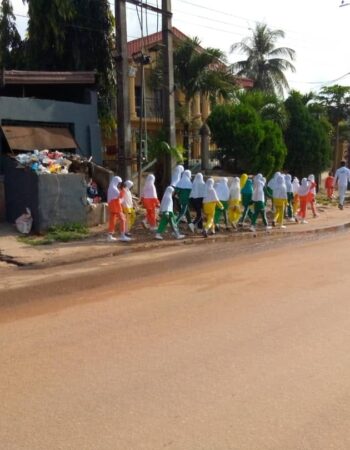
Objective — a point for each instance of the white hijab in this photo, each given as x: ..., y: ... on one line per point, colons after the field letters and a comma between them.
x: 166, y: 204
x: 296, y: 185
x: 235, y: 189
x: 304, y: 188
x: 198, y: 187
x: 288, y: 179
x: 272, y: 183
x: 280, y: 188
x: 258, y: 188
x: 113, y: 191
x: 312, y: 179
x: 176, y: 175
x: 185, y: 181
x: 127, y: 199
x: 211, y: 195
x: 222, y: 190
x: 149, y: 190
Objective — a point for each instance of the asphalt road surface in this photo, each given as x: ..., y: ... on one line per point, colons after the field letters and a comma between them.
x: 198, y: 348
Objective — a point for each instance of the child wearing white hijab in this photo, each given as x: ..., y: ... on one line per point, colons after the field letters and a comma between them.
x: 259, y: 201
x: 150, y: 202
x: 279, y: 200
x: 176, y: 175
x: 210, y: 202
x: 167, y: 215
x: 196, y: 199
x: 223, y: 193
x: 183, y: 190
x: 114, y: 198
x: 312, y: 194
x: 296, y: 202
x: 128, y: 206
x: 290, y: 196
x: 304, y: 193
x: 234, y: 204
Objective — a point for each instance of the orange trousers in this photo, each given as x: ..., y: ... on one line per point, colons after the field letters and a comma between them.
x: 303, y: 204
x: 150, y: 205
x: 116, y: 215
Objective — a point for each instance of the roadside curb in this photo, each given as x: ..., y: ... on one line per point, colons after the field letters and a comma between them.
x: 123, y: 249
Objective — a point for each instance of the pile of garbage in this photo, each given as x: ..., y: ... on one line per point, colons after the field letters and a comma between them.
x: 45, y: 161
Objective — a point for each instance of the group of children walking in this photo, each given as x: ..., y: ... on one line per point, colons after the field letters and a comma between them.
x: 245, y: 198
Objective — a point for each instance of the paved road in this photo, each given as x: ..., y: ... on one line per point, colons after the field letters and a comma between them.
x: 204, y: 349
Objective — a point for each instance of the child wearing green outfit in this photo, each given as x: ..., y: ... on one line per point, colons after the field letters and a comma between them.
x: 167, y: 215
x: 183, y: 191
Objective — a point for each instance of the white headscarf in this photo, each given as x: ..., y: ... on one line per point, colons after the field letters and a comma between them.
x: 288, y: 180
x: 296, y: 185
x: 304, y: 188
x: 235, y: 189
x: 166, y: 204
x: 311, y: 178
x: 149, y: 190
x: 198, y: 187
x: 127, y: 199
x: 210, y: 195
x: 271, y: 184
x: 185, y: 181
x: 113, y: 191
x: 258, y: 188
x: 176, y: 175
x: 280, y: 189
x: 222, y: 190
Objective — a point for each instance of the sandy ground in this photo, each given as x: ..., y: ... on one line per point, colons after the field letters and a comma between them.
x: 193, y: 350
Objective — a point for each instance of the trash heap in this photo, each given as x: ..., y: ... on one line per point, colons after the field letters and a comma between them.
x: 45, y: 161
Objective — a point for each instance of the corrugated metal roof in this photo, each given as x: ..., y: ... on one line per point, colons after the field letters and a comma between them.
x: 40, y: 138
x: 40, y: 77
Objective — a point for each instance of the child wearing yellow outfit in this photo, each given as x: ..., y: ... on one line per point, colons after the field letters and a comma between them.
x: 210, y: 202
x: 234, y: 204
x: 128, y: 206
x: 279, y: 200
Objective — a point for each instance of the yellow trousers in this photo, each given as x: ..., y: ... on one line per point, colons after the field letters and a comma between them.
x: 130, y: 215
x: 209, y: 212
x: 234, y: 211
x: 279, y: 204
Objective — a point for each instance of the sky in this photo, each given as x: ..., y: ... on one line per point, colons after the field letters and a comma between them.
x: 315, y: 29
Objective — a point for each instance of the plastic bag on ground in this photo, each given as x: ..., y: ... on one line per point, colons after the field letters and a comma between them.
x: 24, y: 222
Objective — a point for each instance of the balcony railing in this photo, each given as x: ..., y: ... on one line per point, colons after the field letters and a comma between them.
x: 153, y: 108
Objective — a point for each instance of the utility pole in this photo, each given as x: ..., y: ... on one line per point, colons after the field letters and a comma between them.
x: 123, y: 107
x: 122, y: 65
x: 168, y: 86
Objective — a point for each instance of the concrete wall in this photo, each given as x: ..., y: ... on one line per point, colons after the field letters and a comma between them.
x: 52, y: 199
x: 83, y: 118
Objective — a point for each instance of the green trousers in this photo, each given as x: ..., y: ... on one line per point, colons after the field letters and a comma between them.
x: 219, y: 212
x: 184, y: 199
x: 259, y: 209
x: 167, y: 217
x: 290, y: 198
x: 246, y: 202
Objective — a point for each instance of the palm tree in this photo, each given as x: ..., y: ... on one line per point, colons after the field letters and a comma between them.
x: 203, y: 71
x: 199, y: 70
x: 265, y: 63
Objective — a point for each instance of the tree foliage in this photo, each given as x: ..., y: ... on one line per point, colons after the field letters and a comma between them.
x: 199, y: 70
x: 74, y: 35
x: 255, y: 144
x: 307, y: 138
x: 266, y: 64
x: 10, y: 40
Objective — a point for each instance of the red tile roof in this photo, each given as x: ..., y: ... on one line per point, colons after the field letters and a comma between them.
x: 155, y: 38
